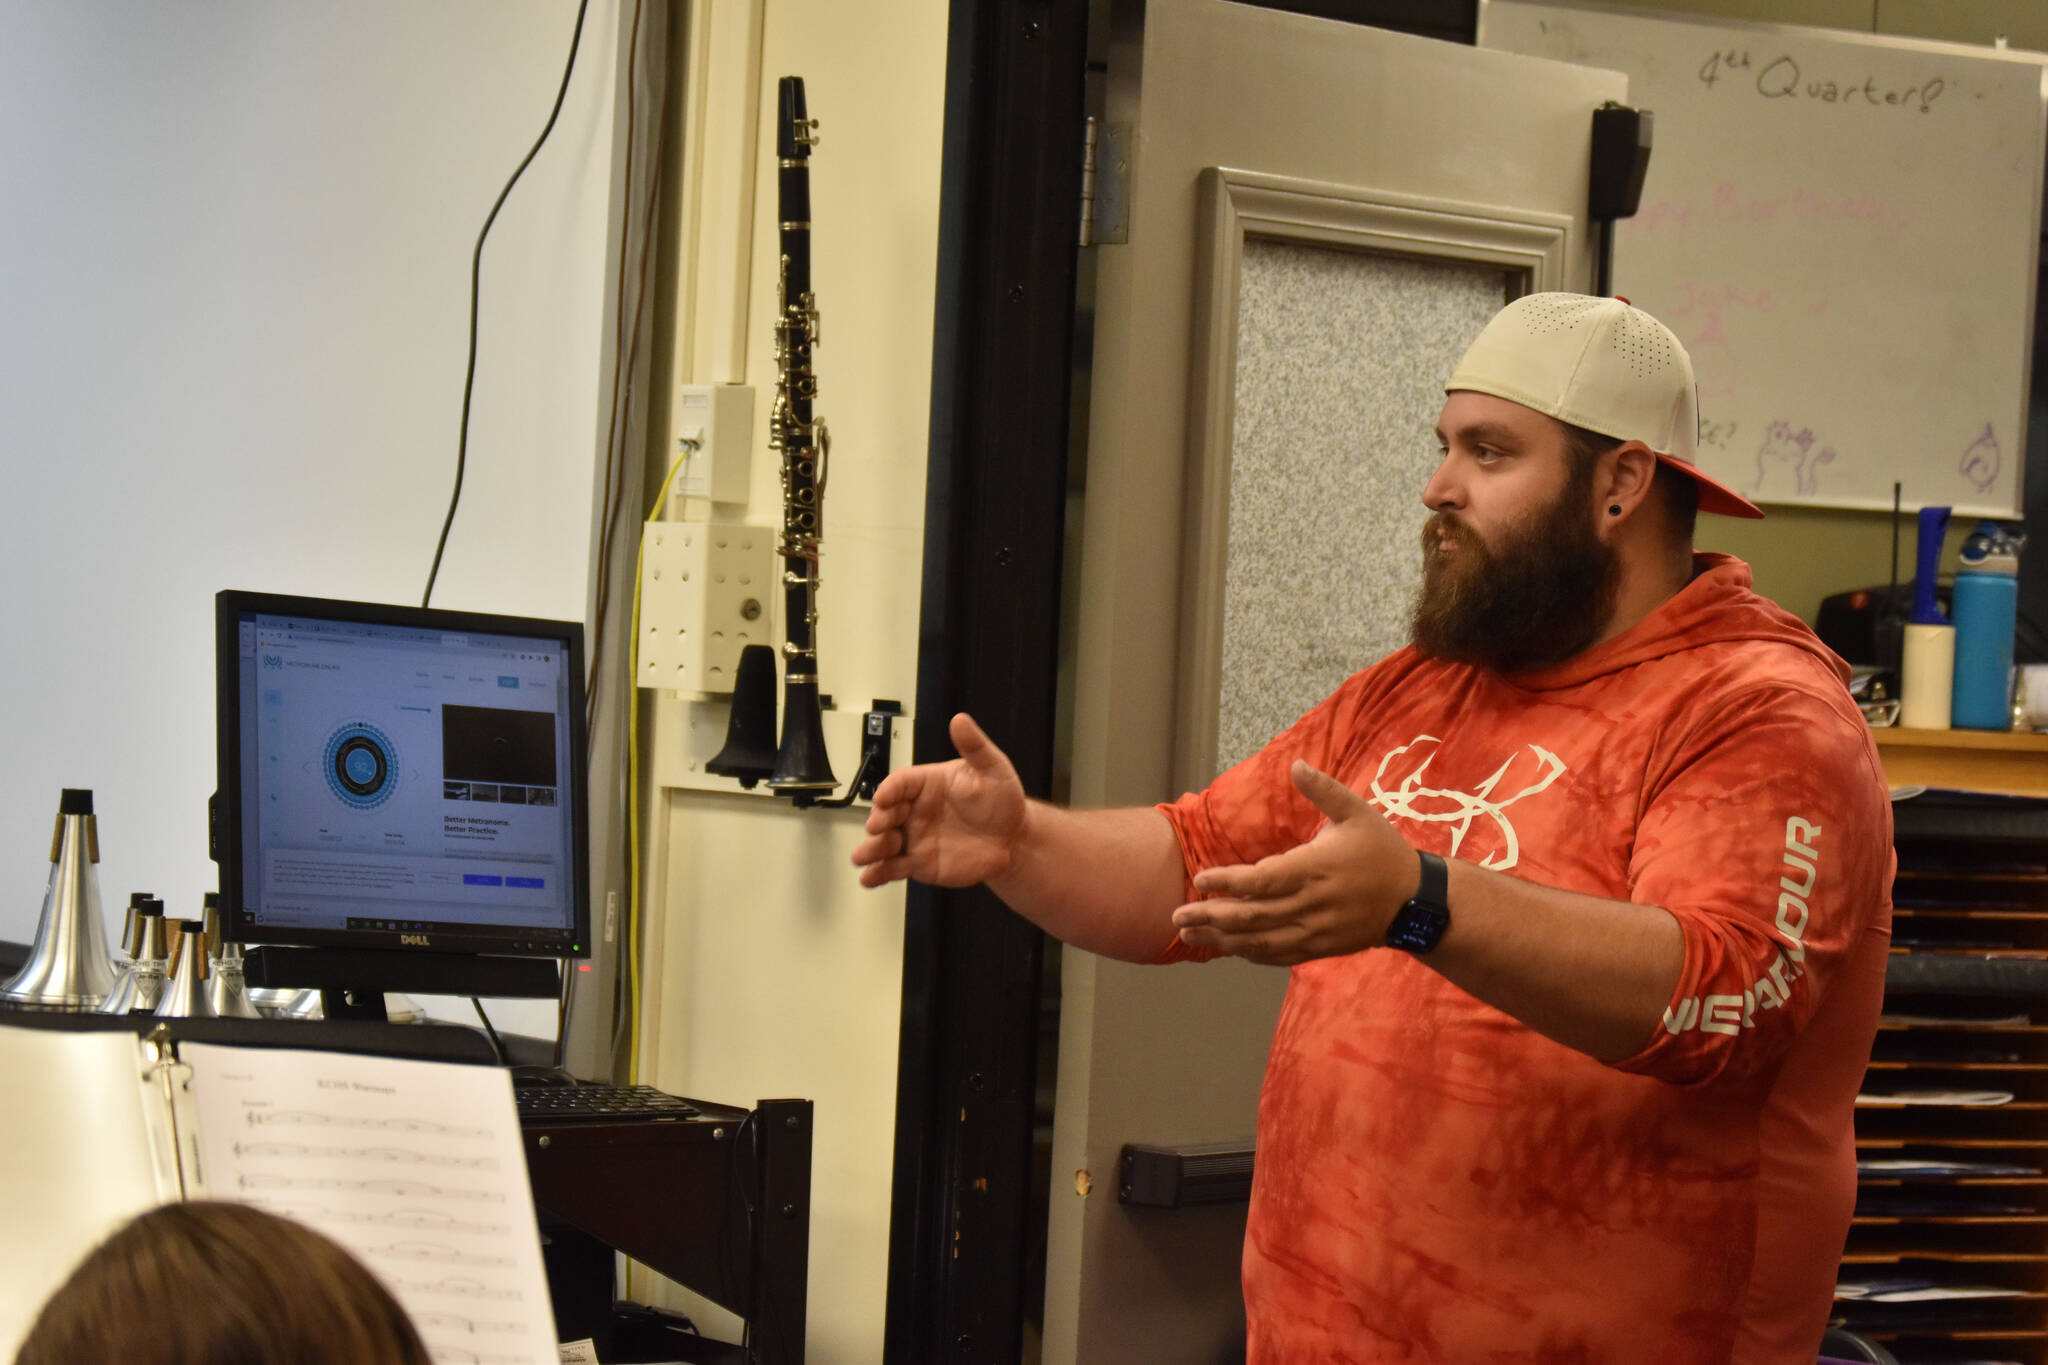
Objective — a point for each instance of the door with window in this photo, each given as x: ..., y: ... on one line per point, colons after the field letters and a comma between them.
x: 1320, y: 216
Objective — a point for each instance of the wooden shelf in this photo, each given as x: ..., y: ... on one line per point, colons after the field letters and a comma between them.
x: 1964, y: 1025
x: 2001, y: 877
x: 2001, y: 762
x: 1944, y: 1181
x: 1886, y: 1064
x: 2014, y: 741
x: 2001, y: 954
x: 1879, y: 1144
x: 1892, y: 1220
x: 1946, y: 1257
x: 1897, y: 1335
x: 2023, y: 1297
x: 1999, y: 1334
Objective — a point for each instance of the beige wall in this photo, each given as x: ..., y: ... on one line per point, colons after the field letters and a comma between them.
x: 1802, y: 554
x: 236, y: 263
x: 768, y: 971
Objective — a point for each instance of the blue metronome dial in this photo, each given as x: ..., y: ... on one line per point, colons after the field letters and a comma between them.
x: 361, y: 765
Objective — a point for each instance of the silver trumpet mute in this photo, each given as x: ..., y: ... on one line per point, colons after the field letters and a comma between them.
x: 142, y: 982
x: 227, y: 987
x: 227, y: 990
x: 69, y: 968
x: 185, y: 997
x: 131, y: 929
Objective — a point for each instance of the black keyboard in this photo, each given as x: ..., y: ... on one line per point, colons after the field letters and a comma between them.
x: 608, y: 1103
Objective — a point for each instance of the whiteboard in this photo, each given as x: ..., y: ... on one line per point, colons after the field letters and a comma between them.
x: 1843, y: 230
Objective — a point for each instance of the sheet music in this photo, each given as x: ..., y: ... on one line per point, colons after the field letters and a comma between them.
x: 80, y: 1131
x: 416, y: 1167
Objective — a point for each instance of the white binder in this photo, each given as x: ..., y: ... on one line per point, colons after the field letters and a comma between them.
x: 415, y: 1167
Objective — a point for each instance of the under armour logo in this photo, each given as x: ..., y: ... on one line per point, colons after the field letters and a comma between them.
x: 1410, y: 800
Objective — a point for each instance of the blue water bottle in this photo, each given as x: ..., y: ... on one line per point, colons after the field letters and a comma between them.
x: 1985, y: 606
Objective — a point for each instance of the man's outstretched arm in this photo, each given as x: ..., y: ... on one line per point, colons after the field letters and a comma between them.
x: 1590, y: 973
x: 1105, y: 880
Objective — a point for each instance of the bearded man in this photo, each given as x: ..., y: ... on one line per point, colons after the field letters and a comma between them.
x: 1578, y: 1010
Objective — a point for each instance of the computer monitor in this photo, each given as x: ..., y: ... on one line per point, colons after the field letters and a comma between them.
x: 401, y: 793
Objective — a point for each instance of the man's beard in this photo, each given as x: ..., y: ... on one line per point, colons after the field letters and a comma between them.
x: 1538, y: 597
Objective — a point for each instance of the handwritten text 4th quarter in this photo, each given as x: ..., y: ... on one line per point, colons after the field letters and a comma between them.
x: 1781, y: 78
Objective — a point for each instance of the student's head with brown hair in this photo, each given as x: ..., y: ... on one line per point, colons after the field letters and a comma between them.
x: 221, y: 1284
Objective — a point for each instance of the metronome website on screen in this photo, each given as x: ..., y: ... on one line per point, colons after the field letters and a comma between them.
x: 403, y: 776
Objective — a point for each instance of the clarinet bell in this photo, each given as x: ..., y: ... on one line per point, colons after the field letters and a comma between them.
x: 803, y: 768
x: 749, y: 752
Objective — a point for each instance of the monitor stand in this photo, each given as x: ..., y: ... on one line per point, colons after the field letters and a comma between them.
x: 352, y: 981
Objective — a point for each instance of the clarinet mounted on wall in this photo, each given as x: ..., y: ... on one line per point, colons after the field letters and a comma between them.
x: 803, y: 769
x: 799, y: 767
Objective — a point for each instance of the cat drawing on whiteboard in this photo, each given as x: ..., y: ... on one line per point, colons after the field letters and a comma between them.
x: 1981, y: 461
x: 1786, y: 451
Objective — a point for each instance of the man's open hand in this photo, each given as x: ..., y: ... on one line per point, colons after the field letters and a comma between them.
x: 1333, y: 895
x: 950, y: 824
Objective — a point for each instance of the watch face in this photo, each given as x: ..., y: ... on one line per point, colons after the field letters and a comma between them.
x: 1419, y: 927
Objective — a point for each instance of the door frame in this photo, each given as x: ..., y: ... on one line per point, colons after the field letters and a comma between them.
x: 1533, y: 249
x: 1009, y: 217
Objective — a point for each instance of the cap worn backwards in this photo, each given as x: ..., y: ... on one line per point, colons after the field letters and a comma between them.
x: 1601, y: 364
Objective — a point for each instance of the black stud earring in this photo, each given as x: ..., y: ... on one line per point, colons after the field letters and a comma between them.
x: 1613, y: 509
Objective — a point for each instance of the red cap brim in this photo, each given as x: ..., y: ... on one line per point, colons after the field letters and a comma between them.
x: 1715, y: 496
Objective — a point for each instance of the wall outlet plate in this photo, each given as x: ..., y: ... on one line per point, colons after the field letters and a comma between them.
x: 714, y: 438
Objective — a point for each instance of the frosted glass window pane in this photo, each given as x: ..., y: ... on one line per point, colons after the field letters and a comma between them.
x: 1341, y: 358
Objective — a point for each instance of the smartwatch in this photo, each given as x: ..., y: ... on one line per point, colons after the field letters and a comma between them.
x: 1419, y: 925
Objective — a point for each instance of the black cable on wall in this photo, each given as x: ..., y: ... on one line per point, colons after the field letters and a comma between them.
x: 476, y: 262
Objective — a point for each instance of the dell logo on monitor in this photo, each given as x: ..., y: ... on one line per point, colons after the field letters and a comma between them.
x: 413, y: 940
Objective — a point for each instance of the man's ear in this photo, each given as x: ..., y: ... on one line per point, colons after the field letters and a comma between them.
x: 1627, y: 474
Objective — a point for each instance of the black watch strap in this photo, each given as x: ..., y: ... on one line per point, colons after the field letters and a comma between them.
x: 1419, y: 925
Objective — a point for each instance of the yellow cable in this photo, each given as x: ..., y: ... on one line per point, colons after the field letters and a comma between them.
x: 633, y: 785
x: 633, y: 803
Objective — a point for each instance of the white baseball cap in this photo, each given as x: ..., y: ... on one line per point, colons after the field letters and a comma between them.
x: 1601, y: 364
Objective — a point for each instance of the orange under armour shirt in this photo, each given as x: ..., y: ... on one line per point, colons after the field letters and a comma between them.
x: 1436, y: 1182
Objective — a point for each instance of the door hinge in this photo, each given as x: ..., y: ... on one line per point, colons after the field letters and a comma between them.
x: 1105, y: 182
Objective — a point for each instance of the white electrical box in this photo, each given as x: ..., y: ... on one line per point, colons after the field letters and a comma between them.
x: 705, y: 594
x: 714, y: 428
